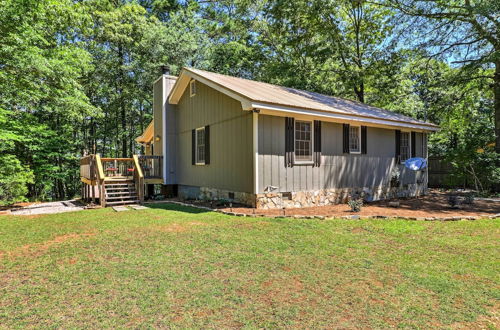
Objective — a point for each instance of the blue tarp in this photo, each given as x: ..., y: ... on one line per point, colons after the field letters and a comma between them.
x: 416, y: 163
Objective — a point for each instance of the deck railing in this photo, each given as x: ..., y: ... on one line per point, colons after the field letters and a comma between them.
x: 152, y: 166
x: 118, y: 167
x: 88, y: 167
x: 95, y: 171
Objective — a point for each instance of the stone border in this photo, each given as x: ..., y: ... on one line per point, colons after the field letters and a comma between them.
x: 322, y: 217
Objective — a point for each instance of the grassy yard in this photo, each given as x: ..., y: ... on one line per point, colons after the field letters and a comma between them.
x: 180, y: 267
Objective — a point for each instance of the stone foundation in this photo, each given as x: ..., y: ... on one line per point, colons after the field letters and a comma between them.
x: 335, y: 196
x: 302, y: 198
x: 209, y: 194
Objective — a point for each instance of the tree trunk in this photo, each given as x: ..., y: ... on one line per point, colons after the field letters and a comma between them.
x: 360, y: 92
x: 123, y: 113
x: 496, y: 93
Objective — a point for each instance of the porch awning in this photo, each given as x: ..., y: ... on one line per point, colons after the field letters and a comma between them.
x: 147, y: 135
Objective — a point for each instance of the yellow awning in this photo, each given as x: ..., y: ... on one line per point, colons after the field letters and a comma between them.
x: 147, y: 135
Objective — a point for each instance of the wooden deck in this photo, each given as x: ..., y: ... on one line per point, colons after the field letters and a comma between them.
x: 118, y: 180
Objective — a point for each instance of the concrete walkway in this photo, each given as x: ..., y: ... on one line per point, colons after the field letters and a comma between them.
x: 49, y: 208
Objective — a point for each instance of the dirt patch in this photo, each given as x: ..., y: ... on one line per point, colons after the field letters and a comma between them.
x: 35, y: 250
x: 170, y: 228
x: 252, y: 225
x: 177, y: 227
x: 433, y: 205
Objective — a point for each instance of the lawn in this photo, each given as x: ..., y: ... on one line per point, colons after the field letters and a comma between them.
x: 173, y: 266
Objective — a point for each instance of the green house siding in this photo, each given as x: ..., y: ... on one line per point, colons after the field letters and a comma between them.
x: 337, y: 170
x: 231, y: 158
x: 158, y: 117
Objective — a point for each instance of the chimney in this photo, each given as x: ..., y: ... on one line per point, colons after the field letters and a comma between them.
x: 165, y: 70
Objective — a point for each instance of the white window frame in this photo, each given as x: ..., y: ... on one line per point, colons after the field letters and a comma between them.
x: 359, y: 140
x: 192, y: 86
x: 401, y: 145
x: 197, y: 161
x: 299, y: 162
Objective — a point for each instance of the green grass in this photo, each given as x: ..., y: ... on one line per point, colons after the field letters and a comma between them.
x: 180, y: 267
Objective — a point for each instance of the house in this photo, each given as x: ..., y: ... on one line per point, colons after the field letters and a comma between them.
x: 222, y: 137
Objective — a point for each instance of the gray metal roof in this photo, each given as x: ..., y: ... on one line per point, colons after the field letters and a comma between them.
x: 257, y: 91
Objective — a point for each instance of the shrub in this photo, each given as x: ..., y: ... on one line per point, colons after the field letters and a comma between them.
x: 469, y: 199
x: 14, y: 178
x: 453, y: 200
x: 355, y: 204
x: 395, y: 175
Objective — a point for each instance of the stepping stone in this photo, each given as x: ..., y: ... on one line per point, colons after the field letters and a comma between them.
x: 120, y: 208
x: 138, y: 207
x: 394, y: 204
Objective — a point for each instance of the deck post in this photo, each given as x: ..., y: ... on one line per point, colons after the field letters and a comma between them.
x: 93, y: 193
x: 102, y: 195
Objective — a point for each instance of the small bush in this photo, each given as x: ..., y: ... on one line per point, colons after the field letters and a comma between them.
x: 14, y: 180
x: 469, y: 199
x: 453, y: 200
x: 355, y: 204
x: 395, y: 176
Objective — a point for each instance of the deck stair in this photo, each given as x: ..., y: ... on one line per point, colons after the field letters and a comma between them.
x: 120, y: 192
x: 117, y: 181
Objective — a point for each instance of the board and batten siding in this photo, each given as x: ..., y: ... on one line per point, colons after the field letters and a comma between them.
x: 158, y: 117
x: 231, y: 158
x: 337, y: 170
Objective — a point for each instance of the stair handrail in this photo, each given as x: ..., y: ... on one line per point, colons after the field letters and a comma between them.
x: 100, y: 170
x: 100, y: 180
x: 140, y: 178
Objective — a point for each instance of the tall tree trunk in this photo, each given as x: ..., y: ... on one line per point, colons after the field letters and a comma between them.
x: 123, y: 113
x: 496, y: 92
x: 359, y: 90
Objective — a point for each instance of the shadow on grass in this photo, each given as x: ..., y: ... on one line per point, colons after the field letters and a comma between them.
x: 175, y: 207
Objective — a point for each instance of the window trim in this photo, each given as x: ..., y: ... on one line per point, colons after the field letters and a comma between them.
x: 303, y: 162
x: 401, y: 161
x: 359, y: 140
x: 196, y: 145
x: 191, y: 84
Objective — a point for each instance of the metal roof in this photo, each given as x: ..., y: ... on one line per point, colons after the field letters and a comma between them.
x: 256, y: 91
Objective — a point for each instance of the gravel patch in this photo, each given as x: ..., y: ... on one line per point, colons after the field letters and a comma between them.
x: 49, y: 208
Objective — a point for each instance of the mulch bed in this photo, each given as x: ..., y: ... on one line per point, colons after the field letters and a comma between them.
x: 434, y: 205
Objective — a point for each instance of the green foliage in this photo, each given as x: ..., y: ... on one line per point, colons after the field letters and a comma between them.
x: 75, y: 76
x: 355, y: 204
x: 14, y: 178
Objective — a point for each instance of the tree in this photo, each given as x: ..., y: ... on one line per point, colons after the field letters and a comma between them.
x: 41, y: 94
x: 468, y: 31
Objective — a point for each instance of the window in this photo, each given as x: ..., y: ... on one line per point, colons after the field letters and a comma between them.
x: 405, y: 146
x: 354, y: 139
x: 200, y: 146
x: 192, y: 88
x: 303, y: 141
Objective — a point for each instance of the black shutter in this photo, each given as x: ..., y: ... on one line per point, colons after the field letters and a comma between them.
x: 363, y: 140
x: 289, y: 141
x: 398, y: 145
x: 413, y: 145
x: 193, y: 147
x: 207, y: 145
x: 317, y: 143
x: 286, y: 142
x: 345, y: 139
